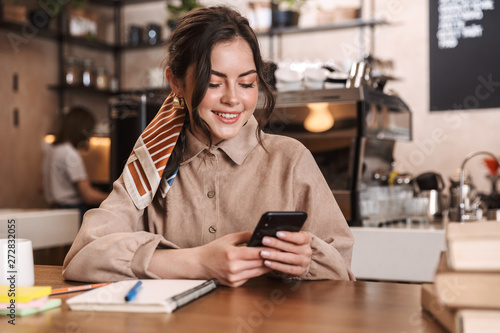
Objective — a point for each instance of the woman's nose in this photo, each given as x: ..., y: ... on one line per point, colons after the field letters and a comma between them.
x: 230, y: 97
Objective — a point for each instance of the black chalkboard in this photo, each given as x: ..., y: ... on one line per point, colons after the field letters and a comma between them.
x: 464, y: 71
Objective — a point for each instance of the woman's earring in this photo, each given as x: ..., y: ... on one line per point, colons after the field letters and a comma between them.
x: 178, y: 102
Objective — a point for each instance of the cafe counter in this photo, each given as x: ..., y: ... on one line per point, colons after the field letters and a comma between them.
x: 397, y: 252
x: 51, y: 231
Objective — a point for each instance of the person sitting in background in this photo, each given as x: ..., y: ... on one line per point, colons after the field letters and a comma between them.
x: 66, y: 184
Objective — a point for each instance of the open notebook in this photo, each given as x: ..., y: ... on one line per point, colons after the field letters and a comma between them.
x: 154, y: 296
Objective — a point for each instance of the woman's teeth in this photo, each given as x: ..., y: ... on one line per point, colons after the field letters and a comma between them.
x: 227, y: 115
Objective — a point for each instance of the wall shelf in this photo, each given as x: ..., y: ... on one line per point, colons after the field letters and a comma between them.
x: 106, y: 46
x: 109, y: 93
x: 19, y: 28
x: 81, y: 89
x: 80, y: 41
x: 348, y: 24
x: 120, y: 2
x: 359, y: 22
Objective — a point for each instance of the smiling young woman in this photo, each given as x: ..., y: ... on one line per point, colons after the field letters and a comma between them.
x: 203, y: 172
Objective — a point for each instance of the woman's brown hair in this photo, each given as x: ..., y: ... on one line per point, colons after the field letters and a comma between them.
x: 192, y: 42
x: 75, y: 127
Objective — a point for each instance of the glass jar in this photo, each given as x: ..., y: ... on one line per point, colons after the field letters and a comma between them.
x: 135, y: 34
x: 88, y: 76
x: 101, y: 79
x: 114, y: 84
x: 71, y: 71
x: 153, y: 32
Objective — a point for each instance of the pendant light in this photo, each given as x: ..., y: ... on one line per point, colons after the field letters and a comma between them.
x: 319, y: 119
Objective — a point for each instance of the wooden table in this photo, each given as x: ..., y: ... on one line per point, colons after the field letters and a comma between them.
x: 261, y: 305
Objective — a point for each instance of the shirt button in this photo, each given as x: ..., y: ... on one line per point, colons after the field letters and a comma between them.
x: 212, y: 229
x: 211, y: 194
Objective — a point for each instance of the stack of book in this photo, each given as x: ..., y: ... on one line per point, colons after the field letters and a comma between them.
x: 465, y: 295
x: 23, y: 301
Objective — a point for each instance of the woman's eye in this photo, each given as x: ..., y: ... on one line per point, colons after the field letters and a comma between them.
x: 213, y: 85
x: 248, y: 85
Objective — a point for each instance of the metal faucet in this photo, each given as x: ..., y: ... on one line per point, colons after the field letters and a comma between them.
x: 462, y: 176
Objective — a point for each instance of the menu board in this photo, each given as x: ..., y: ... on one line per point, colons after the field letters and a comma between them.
x: 464, y: 54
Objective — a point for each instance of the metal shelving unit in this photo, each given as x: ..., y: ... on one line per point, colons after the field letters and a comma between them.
x: 62, y: 38
x: 360, y: 23
x: 116, y: 48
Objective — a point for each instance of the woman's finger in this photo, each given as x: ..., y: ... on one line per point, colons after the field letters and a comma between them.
x: 298, y: 238
x: 286, y: 246
x: 285, y: 268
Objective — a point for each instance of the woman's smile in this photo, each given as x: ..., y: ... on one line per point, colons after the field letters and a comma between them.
x: 227, y: 117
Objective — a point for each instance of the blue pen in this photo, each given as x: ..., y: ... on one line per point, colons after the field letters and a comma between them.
x: 133, y: 292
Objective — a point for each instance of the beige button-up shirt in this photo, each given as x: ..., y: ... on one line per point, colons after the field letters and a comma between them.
x: 218, y: 190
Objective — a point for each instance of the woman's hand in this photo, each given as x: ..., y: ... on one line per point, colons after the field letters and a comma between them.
x: 290, y: 253
x: 233, y: 265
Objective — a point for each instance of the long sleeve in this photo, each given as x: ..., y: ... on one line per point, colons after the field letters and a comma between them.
x: 113, y: 244
x: 332, y: 240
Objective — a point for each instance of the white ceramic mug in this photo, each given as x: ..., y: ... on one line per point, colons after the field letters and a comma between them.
x: 16, y: 262
x: 156, y: 78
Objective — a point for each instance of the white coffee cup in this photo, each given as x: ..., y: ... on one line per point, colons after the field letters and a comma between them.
x: 16, y: 262
x: 156, y: 78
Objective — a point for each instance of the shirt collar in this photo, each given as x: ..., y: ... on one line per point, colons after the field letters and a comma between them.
x: 236, y: 148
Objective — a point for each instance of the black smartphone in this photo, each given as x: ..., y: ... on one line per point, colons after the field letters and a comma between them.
x: 272, y: 222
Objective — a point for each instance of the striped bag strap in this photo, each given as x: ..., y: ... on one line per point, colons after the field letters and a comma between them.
x: 143, y: 171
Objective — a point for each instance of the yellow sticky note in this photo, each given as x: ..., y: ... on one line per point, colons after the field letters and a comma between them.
x: 22, y: 294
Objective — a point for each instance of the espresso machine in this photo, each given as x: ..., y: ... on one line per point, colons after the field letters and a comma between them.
x: 129, y: 114
x: 466, y: 203
x: 363, y: 125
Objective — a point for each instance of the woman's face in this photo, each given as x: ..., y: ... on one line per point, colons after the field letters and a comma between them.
x: 232, y: 93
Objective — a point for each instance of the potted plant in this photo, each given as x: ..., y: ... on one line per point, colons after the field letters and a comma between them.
x: 286, y: 12
x: 44, y: 12
x: 82, y: 21
x: 177, y: 9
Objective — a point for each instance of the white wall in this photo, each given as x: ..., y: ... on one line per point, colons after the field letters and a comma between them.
x: 441, y: 139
